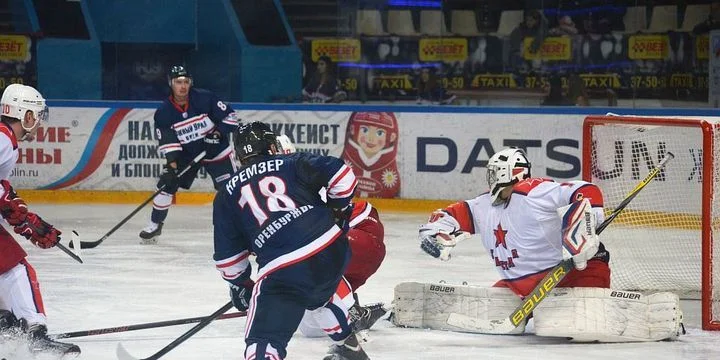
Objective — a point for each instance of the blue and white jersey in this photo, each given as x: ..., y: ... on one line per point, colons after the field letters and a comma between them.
x: 181, y: 129
x: 272, y: 208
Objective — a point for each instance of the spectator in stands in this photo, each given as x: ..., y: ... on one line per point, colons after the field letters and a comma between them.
x: 555, y: 95
x: 430, y: 90
x: 535, y: 26
x: 565, y: 26
x: 601, y: 18
x: 712, y: 22
x: 577, y: 92
x: 323, y: 86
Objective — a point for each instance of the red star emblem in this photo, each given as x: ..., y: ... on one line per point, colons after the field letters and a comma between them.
x: 500, y: 236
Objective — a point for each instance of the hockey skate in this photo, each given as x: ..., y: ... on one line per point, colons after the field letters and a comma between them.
x: 40, y: 343
x: 8, y: 326
x: 150, y: 234
x: 364, y: 317
x: 349, y: 350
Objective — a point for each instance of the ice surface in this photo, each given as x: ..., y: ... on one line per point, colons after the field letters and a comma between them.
x: 123, y: 283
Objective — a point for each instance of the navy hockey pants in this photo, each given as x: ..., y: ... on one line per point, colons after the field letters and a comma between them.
x: 280, y: 299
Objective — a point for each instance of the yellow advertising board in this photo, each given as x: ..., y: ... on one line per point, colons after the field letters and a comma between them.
x: 14, y: 47
x: 443, y: 49
x: 494, y: 81
x: 553, y: 48
x: 339, y: 50
x: 648, y: 47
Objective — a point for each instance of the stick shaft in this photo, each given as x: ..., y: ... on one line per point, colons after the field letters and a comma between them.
x: 143, y: 326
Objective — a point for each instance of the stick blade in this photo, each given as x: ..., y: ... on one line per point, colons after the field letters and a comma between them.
x: 122, y: 354
x: 76, y: 244
x: 493, y: 327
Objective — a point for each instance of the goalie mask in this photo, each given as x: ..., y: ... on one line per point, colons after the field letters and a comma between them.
x: 255, y: 138
x: 17, y: 100
x: 506, y: 168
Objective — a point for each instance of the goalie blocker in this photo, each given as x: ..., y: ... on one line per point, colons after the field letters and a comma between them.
x: 581, y: 314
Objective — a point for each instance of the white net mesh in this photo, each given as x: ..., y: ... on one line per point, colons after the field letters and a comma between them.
x: 656, y: 244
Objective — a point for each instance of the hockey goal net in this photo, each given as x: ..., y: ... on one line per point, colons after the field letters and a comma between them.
x: 663, y: 241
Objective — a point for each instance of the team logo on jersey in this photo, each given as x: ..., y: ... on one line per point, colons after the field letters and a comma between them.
x: 500, y: 240
x: 500, y: 236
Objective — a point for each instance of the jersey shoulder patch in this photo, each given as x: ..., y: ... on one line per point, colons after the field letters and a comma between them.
x: 524, y: 187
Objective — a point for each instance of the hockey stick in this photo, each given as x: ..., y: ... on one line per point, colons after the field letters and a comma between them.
x: 92, y: 244
x: 74, y: 239
x: 553, y: 277
x: 150, y: 325
x: 122, y: 354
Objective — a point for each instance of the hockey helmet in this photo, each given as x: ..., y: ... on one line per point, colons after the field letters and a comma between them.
x: 506, y: 168
x: 177, y: 71
x: 18, y: 99
x: 285, y: 146
x: 255, y: 138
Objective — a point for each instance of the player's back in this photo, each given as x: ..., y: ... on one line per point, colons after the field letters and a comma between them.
x: 275, y: 209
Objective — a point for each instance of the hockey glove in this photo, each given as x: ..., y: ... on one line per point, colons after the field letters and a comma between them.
x: 440, y: 235
x: 12, y: 208
x: 38, y: 231
x: 168, y: 178
x: 342, y: 217
x: 441, y: 244
x: 212, y: 144
x: 579, y: 240
x: 240, y: 295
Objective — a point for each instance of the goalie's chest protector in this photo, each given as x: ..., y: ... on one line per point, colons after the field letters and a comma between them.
x: 522, y: 238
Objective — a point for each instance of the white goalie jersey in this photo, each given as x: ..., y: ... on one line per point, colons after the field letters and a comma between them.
x: 523, y: 237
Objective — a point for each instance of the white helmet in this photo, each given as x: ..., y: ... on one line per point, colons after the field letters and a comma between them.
x: 506, y: 168
x: 286, y: 146
x: 18, y: 99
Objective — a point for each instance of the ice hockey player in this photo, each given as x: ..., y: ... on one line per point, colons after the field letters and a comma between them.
x: 528, y: 226
x: 22, y: 312
x: 367, y: 243
x: 272, y: 207
x: 189, y: 121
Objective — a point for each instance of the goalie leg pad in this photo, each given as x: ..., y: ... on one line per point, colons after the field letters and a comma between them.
x: 605, y: 315
x: 421, y: 305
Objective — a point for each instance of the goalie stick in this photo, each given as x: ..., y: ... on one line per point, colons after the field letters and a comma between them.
x: 553, y: 277
x: 92, y: 244
x: 122, y: 354
x: 143, y: 326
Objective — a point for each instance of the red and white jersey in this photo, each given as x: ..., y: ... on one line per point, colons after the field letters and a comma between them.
x: 524, y: 237
x: 8, y: 151
x: 10, y: 251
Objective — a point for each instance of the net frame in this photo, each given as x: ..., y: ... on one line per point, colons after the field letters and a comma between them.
x: 710, y: 136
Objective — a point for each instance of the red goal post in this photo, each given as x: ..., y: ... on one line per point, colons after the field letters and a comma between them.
x: 664, y: 239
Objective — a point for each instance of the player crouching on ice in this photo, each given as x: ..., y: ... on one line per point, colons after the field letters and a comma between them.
x: 528, y: 226
x: 366, y: 238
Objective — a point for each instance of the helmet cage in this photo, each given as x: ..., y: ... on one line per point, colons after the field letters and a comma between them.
x: 506, y: 168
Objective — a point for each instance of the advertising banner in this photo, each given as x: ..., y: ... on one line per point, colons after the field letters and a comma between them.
x: 430, y: 155
x: 94, y: 149
x: 552, y: 49
x: 648, y: 47
x: 339, y: 50
x: 443, y: 49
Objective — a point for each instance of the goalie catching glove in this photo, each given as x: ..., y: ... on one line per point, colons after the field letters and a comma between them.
x: 28, y: 224
x: 579, y: 240
x: 440, y: 235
